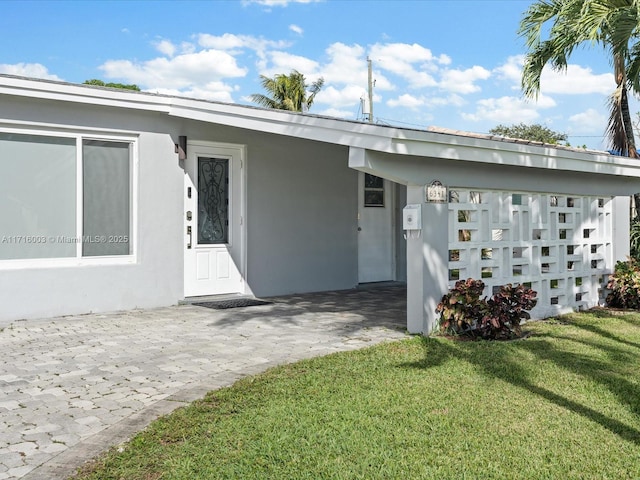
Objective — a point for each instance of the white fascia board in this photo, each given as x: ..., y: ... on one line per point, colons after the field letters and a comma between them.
x: 83, y: 94
x: 496, y: 152
x: 280, y: 122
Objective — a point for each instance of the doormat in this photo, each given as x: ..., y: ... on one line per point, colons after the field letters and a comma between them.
x: 232, y: 303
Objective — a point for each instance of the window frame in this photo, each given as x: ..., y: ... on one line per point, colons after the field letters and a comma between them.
x: 80, y: 136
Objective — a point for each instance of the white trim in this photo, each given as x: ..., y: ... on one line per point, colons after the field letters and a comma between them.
x: 79, y: 260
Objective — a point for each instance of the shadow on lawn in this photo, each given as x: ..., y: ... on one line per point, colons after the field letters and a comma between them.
x: 502, y: 363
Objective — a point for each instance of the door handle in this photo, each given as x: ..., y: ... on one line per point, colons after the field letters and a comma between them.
x: 189, y: 233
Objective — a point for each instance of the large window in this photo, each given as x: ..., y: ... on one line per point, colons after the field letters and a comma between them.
x: 64, y: 197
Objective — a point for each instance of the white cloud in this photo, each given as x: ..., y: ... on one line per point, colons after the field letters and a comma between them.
x: 181, y: 72
x: 334, y: 112
x: 296, y: 29
x: 463, y: 81
x: 284, y: 62
x: 215, y: 91
x: 590, y: 121
x: 511, y: 70
x: 348, y: 95
x: 33, y: 70
x: 231, y: 42
x: 508, y: 110
x: 401, y: 59
x: 412, y: 102
x: 406, y: 101
x: 576, y: 80
x: 166, y: 47
x: 236, y: 44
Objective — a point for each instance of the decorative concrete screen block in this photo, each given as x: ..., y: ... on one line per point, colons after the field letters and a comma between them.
x: 558, y: 245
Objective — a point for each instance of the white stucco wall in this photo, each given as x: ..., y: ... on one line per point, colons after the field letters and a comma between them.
x: 300, y: 222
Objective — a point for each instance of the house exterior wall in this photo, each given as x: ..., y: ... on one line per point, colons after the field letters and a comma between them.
x: 300, y: 225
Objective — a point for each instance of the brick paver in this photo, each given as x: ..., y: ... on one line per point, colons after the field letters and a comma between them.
x: 71, y: 387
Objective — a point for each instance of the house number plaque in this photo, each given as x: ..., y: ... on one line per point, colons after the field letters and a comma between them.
x: 436, y: 192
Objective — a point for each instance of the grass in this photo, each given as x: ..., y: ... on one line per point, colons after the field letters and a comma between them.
x: 563, y: 403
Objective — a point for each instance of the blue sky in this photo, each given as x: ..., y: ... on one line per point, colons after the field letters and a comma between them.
x: 447, y: 63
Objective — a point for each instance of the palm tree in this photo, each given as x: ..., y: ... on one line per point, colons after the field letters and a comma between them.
x: 612, y: 24
x: 287, y: 92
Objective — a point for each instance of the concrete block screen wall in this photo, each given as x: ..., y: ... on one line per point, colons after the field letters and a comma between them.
x: 559, y: 245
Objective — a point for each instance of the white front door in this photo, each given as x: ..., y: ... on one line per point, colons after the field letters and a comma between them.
x: 376, y: 253
x: 213, y: 213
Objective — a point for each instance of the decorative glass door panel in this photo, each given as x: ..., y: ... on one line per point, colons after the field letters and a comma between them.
x: 213, y: 201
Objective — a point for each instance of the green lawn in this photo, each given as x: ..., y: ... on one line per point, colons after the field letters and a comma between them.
x: 563, y: 403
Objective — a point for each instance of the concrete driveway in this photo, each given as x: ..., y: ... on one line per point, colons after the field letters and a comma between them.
x: 71, y: 387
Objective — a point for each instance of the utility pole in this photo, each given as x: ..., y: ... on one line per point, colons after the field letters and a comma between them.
x: 370, y: 90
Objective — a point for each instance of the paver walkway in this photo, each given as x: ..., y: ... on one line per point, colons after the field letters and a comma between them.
x: 70, y: 387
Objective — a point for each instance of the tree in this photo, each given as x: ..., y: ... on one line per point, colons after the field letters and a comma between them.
x: 287, y: 92
x: 100, y: 83
x: 536, y: 133
x: 611, y: 24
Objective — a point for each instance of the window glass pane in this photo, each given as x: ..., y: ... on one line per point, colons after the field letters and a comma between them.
x: 373, y: 191
x: 371, y: 181
x: 106, y: 202
x: 213, y: 200
x: 37, y: 196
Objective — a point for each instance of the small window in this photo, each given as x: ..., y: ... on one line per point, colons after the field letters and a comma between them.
x: 373, y: 191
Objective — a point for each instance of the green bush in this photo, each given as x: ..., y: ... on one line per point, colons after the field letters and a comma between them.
x: 624, y: 285
x: 506, y: 310
x: 463, y: 312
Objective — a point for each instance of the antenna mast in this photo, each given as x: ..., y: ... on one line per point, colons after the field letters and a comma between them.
x: 370, y: 90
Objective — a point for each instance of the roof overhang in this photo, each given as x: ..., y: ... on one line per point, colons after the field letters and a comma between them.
x: 372, y: 147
